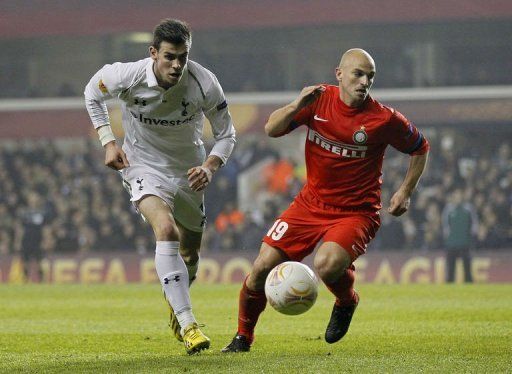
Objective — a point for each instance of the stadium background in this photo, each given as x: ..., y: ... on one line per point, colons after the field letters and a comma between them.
x: 445, y: 65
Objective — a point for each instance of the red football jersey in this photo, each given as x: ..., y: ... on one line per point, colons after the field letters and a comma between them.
x: 345, y: 148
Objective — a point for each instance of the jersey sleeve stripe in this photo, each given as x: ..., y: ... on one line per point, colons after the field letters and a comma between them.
x: 410, y: 129
x: 417, y: 145
x: 222, y: 105
x: 199, y: 84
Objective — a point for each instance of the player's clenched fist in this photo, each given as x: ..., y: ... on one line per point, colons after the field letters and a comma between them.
x: 199, y: 177
x: 399, y: 203
x: 115, y: 158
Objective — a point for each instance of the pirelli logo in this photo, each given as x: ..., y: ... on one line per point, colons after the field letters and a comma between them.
x: 341, y: 149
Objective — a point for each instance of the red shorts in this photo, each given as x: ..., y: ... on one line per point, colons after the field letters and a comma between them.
x: 307, y: 221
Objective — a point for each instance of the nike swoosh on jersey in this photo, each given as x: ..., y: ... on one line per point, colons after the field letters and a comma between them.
x: 320, y: 119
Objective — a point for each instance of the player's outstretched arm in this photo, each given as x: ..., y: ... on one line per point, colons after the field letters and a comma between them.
x: 200, y: 176
x: 280, y: 119
x: 401, y: 200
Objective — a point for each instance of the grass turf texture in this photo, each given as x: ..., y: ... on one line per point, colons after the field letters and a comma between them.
x: 399, y: 328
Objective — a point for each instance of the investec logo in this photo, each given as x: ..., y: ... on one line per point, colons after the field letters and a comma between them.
x: 161, y: 122
x: 344, y: 150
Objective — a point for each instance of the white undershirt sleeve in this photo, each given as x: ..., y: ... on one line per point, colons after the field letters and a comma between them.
x: 98, y: 112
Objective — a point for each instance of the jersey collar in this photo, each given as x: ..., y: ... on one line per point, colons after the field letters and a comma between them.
x: 150, y: 75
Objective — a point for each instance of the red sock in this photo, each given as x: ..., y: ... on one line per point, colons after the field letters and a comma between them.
x: 343, y: 289
x: 251, y: 304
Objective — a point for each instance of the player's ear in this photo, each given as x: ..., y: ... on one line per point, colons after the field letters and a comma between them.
x: 153, y: 52
x: 338, y: 73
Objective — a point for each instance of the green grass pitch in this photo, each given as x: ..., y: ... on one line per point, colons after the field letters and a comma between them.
x: 399, y: 328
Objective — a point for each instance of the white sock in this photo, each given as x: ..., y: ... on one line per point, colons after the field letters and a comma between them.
x: 173, y: 276
x: 192, y: 271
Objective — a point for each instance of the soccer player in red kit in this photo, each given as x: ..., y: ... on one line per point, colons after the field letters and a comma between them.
x: 347, y: 134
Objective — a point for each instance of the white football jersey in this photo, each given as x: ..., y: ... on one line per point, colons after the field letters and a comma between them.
x: 163, y: 128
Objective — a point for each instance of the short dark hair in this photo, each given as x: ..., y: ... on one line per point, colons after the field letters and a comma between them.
x: 172, y: 31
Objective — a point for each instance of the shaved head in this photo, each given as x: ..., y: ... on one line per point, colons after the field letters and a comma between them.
x: 355, y: 75
x: 356, y: 56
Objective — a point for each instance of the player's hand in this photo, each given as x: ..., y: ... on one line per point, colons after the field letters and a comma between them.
x: 308, y: 95
x: 399, y: 203
x: 199, y: 177
x: 115, y: 158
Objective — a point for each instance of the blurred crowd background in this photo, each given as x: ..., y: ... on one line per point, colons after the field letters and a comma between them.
x: 83, y: 207
x: 55, y: 190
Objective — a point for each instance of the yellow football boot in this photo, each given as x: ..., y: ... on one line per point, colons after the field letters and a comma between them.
x: 195, y: 341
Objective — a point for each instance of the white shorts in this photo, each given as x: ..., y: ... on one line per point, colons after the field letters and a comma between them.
x: 186, y: 205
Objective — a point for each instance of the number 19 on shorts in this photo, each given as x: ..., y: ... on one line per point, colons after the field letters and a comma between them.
x: 277, y: 230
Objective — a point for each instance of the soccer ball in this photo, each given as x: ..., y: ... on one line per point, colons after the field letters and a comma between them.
x: 291, y: 288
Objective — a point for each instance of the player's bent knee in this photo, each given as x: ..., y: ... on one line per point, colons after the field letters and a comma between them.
x: 166, y: 230
x: 331, y: 265
x: 268, y: 258
x: 256, y: 280
x: 258, y: 275
x: 190, y: 243
x: 190, y: 256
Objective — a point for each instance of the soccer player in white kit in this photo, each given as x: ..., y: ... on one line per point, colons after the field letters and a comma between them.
x: 163, y: 162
